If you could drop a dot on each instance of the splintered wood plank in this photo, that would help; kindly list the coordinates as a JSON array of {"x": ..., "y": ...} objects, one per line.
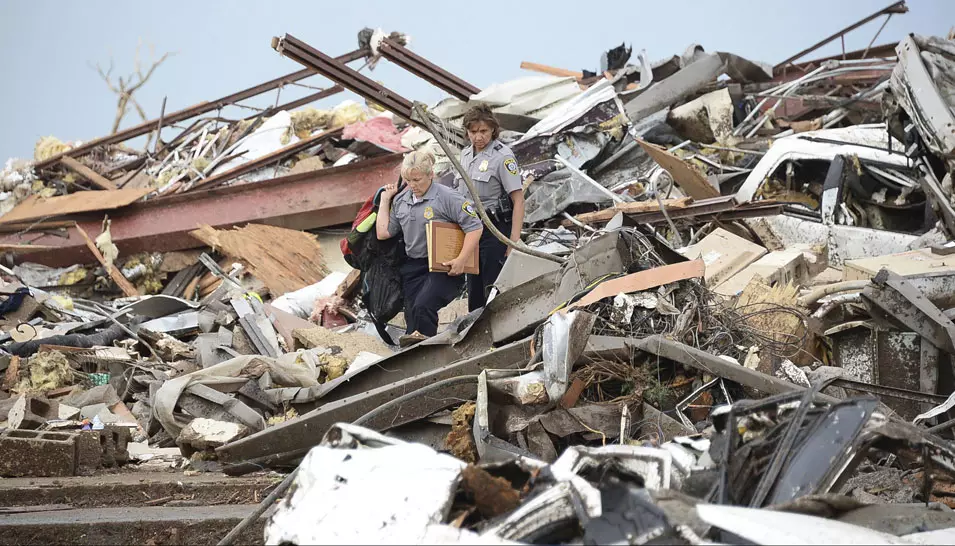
[
  {"x": 111, "y": 269},
  {"x": 283, "y": 259},
  {"x": 94, "y": 177},
  {"x": 605, "y": 215}
]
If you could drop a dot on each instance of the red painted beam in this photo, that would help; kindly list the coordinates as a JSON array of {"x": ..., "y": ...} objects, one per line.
[{"x": 303, "y": 201}]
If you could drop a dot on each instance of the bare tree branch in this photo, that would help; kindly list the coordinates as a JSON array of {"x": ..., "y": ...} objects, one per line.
[{"x": 125, "y": 87}]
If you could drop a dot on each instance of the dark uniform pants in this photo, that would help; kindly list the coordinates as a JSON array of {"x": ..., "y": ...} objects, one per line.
[
  {"x": 491, "y": 260},
  {"x": 425, "y": 294}
]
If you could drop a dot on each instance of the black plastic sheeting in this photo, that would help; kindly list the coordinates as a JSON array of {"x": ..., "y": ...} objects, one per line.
[{"x": 83, "y": 341}]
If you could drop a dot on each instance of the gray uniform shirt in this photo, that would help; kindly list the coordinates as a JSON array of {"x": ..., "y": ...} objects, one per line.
[
  {"x": 410, "y": 216},
  {"x": 494, "y": 171}
]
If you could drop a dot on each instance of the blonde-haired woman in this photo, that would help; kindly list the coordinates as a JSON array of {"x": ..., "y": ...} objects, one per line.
[{"x": 408, "y": 213}]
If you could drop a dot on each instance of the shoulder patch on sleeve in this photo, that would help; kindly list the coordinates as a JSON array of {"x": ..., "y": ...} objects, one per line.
[
  {"x": 511, "y": 165},
  {"x": 469, "y": 209}
]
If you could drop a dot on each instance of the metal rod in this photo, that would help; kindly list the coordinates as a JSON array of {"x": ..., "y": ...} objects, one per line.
[
  {"x": 896, "y": 7},
  {"x": 872, "y": 41},
  {"x": 516, "y": 245},
  {"x": 578, "y": 223},
  {"x": 426, "y": 70},
  {"x": 941, "y": 427},
  {"x": 162, "y": 115}
]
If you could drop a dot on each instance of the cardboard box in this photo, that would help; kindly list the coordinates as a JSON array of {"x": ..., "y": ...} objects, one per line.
[
  {"x": 913, "y": 262},
  {"x": 724, "y": 254},
  {"x": 780, "y": 267}
]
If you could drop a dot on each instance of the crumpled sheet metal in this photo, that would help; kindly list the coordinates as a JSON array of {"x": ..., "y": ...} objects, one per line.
[
  {"x": 555, "y": 192},
  {"x": 651, "y": 465},
  {"x": 572, "y": 110},
  {"x": 553, "y": 505},
  {"x": 774, "y": 527},
  {"x": 922, "y": 82},
  {"x": 292, "y": 369},
  {"x": 565, "y": 338},
  {"x": 702, "y": 69}
]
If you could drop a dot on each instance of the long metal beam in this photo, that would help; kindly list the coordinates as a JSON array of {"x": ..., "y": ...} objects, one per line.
[
  {"x": 303, "y": 201},
  {"x": 426, "y": 70},
  {"x": 877, "y": 52},
  {"x": 316, "y": 61},
  {"x": 199, "y": 109},
  {"x": 896, "y": 7}
]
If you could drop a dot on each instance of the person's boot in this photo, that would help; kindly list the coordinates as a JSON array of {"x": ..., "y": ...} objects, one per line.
[{"x": 413, "y": 338}]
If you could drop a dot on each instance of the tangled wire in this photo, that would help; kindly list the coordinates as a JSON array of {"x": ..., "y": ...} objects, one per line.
[{"x": 688, "y": 312}]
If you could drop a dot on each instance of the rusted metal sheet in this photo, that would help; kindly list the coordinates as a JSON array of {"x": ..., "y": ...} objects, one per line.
[
  {"x": 897, "y": 365},
  {"x": 426, "y": 70},
  {"x": 304, "y": 201},
  {"x": 199, "y": 109},
  {"x": 35, "y": 207},
  {"x": 356, "y": 82},
  {"x": 900, "y": 367},
  {"x": 315, "y": 60}
]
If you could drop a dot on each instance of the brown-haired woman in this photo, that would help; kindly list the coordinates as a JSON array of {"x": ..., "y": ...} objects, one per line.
[{"x": 496, "y": 175}]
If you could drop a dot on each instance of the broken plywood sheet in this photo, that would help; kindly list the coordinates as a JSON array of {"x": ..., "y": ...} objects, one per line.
[
  {"x": 690, "y": 180},
  {"x": 724, "y": 254},
  {"x": 782, "y": 267},
  {"x": 283, "y": 259},
  {"x": 35, "y": 207},
  {"x": 913, "y": 262}
]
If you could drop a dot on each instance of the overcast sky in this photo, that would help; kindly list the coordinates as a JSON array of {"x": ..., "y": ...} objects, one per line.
[{"x": 47, "y": 86}]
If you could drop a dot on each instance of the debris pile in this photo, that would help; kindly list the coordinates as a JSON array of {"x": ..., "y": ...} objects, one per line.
[{"x": 736, "y": 295}]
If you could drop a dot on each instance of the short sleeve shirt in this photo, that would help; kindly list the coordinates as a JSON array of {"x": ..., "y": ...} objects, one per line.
[
  {"x": 494, "y": 170},
  {"x": 410, "y": 216}
]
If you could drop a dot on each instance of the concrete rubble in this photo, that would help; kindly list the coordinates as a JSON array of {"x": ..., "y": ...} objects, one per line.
[{"x": 745, "y": 334}]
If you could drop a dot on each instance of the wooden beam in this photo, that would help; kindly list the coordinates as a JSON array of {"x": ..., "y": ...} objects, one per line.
[
  {"x": 114, "y": 273},
  {"x": 553, "y": 71},
  {"x": 94, "y": 177},
  {"x": 4, "y": 247},
  {"x": 604, "y": 216}
]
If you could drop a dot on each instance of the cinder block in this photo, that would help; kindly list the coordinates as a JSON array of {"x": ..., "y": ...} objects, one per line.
[
  {"x": 37, "y": 454},
  {"x": 89, "y": 451},
  {"x": 114, "y": 441},
  {"x": 32, "y": 412}
]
